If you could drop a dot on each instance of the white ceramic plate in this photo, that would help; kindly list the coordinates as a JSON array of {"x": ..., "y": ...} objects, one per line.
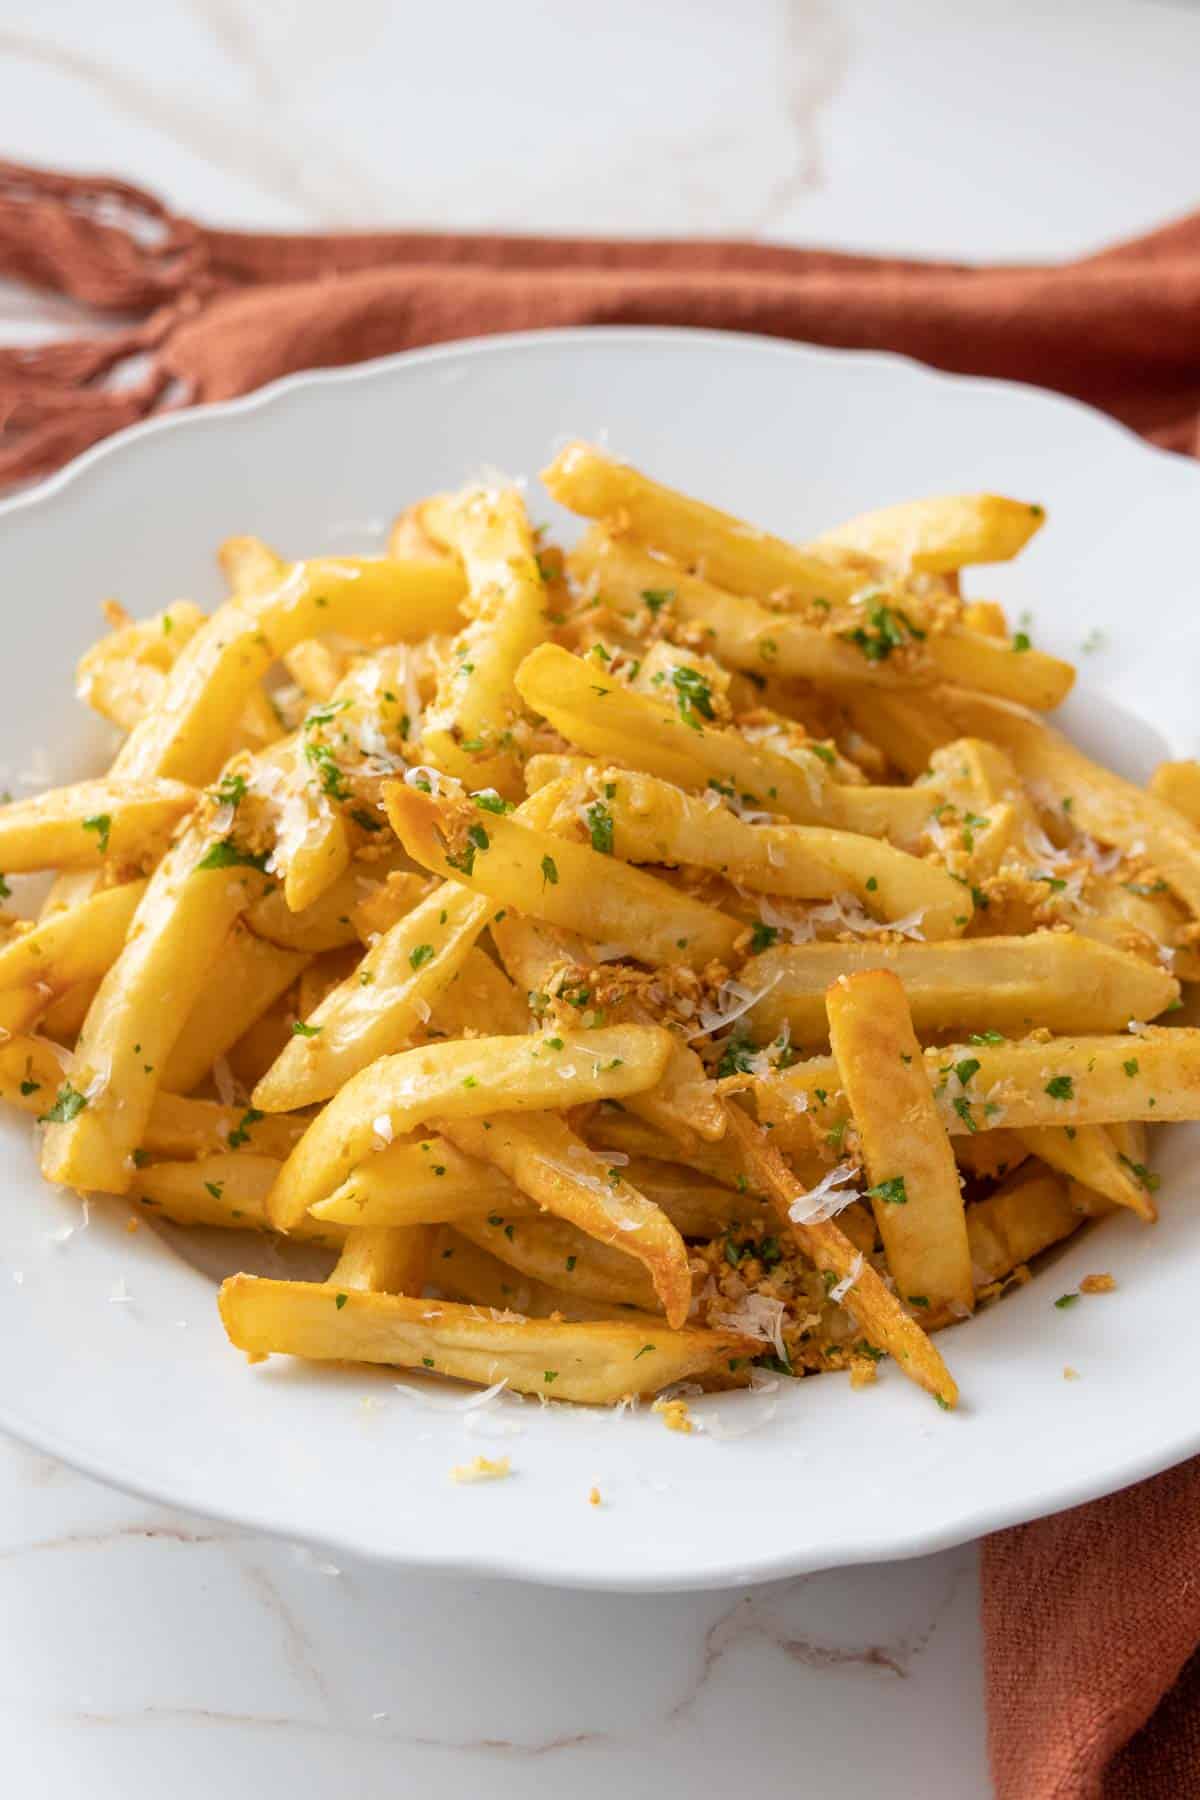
[{"x": 144, "y": 1392}]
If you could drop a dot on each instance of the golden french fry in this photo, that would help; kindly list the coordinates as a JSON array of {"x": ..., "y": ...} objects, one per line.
[
  {"x": 1010, "y": 671},
  {"x": 381, "y": 1004},
  {"x": 547, "y": 1161},
  {"x": 743, "y": 633},
  {"x": 1056, "y": 979},
  {"x": 988, "y": 1081},
  {"x": 696, "y": 1208},
  {"x": 423, "y": 1179},
  {"x": 182, "y": 919},
  {"x": 649, "y": 820},
  {"x": 1032, "y": 1210},
  {"x": 465, "y": 1272},
  {"x": 914, "y": 1193},
  {"x": 31, "y": 1070},
  {"x": 564, "y": 883},
  {"x": 247, "y": 977},
  {"x": 181, "y": 1127},
  {"x": 468, "y": 729},
  {"x": 393, "y": 1261},
  {"x": 733, "y": 554},
  {"x": 63, "y": 1018},
  {"x": 70, "y": 947},
  {"x": 1088, "y": 1155},
  {"x": 481, "y": 997},
  {"x": 187, "y": 733},
  {"x": 553, "y": 1252},
  {"x": 227, "y": 1189},
  {"x": 467, "y": 1079},
  {"x": 84, "y": 826},
  {"x": 866, "y": 1298},
  {"x": 121, "y": 675},
  {"x": 597, "y": 1363},
  {"x": 329, "y": 923},
  {"x": 940, "y": 535},
  {"x": 992, "y": 1154},
  {"x": 611, "y": 721},
  {"x": 1113, "y": 810},
  {"x": 1177, "y": 784},
  {"x": 388, "y": 902}
]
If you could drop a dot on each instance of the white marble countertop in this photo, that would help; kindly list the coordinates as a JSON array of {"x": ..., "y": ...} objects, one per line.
[{"x": 147, "y": 1653}]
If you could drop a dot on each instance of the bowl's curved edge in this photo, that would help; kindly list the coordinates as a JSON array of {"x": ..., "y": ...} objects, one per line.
[{"x": 513, "y": 1565}]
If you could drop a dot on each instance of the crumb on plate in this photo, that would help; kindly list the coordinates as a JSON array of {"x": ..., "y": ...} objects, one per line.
[
  {"x": 482, "y": 1468},
  {"x": 1097, "y": 1284},
  {"x": 674, "y": 1414}
]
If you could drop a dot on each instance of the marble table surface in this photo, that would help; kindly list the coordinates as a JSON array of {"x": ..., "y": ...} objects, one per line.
[{"x": 149, "y": 1653}]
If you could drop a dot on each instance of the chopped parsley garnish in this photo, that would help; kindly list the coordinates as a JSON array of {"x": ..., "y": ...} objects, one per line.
[
  {"x": 657, "y": 598},
  {"x": 68, "y": 1104},
  {"x": 970, "y": 1065},
  {"x": 224, "y": 854},
  {"x": 889, "y": 629},
  {"x": 762, "y": 937},
  {"x": 333, "y": 782},
  {"x": 215, "y": 1188},
  {"x": 943, "y": 1403},
  {"x": 571, "y": 1261},
  {"x": 241, "y": 1133},
  {"x": 321, "y": 715},
  {"x": 918, "y": 1299},
  {"x": 340, "y": 1301},
  {"x": 488, "y": 800},
  {"x": 101, "y": 824},
  {"x": 737, "y": 1058},
  {"x": 1148, "y": 1179},
  {"x": 1065, "y": 1300},
  {"x": 423, "y": 953},
  {"x": 30, "y": 1087},
  {"x": 1131, "y": 1067},
  {"x": 644, "y": 1351},
  {"x": 892, "y": 1191},
  {"x": 368, "y": 822},
  {"x": 1021, "y": 641},
  {"x": 470, "y": 1081},
  {"x": 962, "y": 1107},
  {"x": 5, "y": 890},
  {"x": 600, "y": 827},
  {"x": 549, "y": 1375},
  {"x": 1060, "y": 1087},
  {"x": 1054, "y": 882},
  {"x": 986, "y": 1037},
  {"x": 872, "y": 885},
  {"x": 300, "y": 1029},
  {"x": 549, "y": 871},
  {"x": 694, "y": 697},
  {"x": 230, "y": 790}
]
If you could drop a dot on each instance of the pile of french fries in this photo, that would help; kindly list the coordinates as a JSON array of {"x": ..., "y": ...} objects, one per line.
[{"x": 639, "y": 966}]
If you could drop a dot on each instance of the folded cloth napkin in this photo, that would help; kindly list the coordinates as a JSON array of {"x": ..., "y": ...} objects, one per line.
[{"x": 1091, "y": 1619}]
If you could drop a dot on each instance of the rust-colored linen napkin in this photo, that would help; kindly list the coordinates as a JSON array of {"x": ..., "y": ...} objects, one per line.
[{"x": 1092, "y": 1619}]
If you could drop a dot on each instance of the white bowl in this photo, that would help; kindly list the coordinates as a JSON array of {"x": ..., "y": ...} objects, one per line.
[{"x": 145, "y": 1392}]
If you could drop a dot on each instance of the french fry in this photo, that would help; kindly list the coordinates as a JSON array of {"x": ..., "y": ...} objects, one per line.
[
  {"x": 468, "y": 729},
  {"x": 654, "y": 821},
  {"x": 915, "y": 1192},
  {"x": 329, "y": 923},
  {"x": 611, "y": 721},
  {"x": 543, "y": 1157},
  {"x": 1113, "y": 810},
  {"x": 70, "y": 947},
  {"x": 248, "y": 975},
  {"x": 565, "y": 883},
  {"x": 188, "y": 732},
  {"x": 1088, "y": 1155},
  {"x": 388, "y": 902},
  {"x": 181, "y": 1127},
  {"x": 1154, "y": 1076},
  {"x": 94, "y": 822},
  {"x": 987, "y": 616},
  {"x": 423, "y": 1179},
  {"x": 31, "y": 1069},
  {"x": 743, "y": 633},
  {"x": 63, "y": 1018},
  {"x": 697, "y": 1209},
  {"x": 867, "y": 1299},
  {"x": 1033, "y": 1210},
  {"x": 121, "y": 675},
  {"x": 975, "y": 659},
  {"x": 227, "y": 1189},
  {"x": 907, "y": 726},
  {"x": 465, "y": 1272},
  {"x": 596, "y": 1363},
  {"x": 992, "y": 1154},
  {"x": 556, "y": 1253},
  {"x": 939, "y": 536},
  {"x": 480, "y": 997},
  {"x": 733, "y": 554},
  {"x": 1055, "y": 979},
  {"x": 379, "y": 1007},
  {"x": 384, "y": 1262},
  {"x": 466, "y": 1079},
  {"x": 182, "y": 919},
  {"x": 1177, "y": 784},
  {"x": 684, "y": 1103}
]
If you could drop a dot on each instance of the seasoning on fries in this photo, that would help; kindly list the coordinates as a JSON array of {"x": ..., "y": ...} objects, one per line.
[{"x": 682, "y": 955}]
